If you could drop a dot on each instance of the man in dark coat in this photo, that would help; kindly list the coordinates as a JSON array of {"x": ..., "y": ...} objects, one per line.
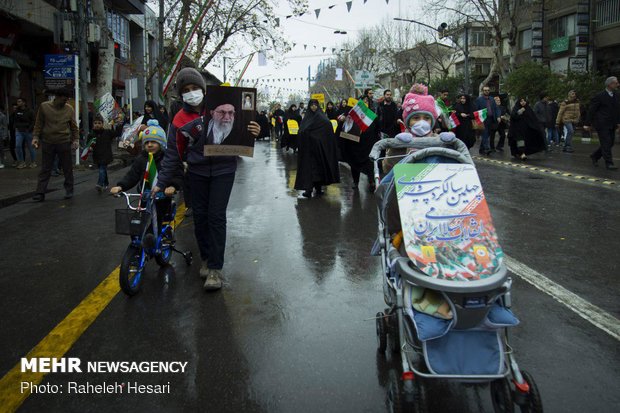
[
  {"x": 604, "y": 116},
  {"x": 485, "y": 101},
  {"x": 317, "y": 160},
  {"x": 388, "y": 115}
]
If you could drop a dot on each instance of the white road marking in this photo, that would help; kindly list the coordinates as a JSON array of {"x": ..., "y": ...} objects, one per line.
[{"x": 583, "y": 308}]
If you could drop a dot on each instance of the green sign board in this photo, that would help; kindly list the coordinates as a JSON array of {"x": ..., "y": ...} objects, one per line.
[{"x": 559, "y": 45}]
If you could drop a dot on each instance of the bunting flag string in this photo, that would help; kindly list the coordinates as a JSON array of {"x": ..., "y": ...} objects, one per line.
[{"x": 317, "y": 11}]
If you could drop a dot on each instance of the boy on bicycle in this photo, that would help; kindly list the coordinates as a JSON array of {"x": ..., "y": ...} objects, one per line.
[{"x": 154, "y": 142}]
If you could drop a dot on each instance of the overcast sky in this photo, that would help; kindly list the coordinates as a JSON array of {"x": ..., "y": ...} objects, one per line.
[
  {"x": 316, "y": 33},
  {"x": 319, "y": 32}
]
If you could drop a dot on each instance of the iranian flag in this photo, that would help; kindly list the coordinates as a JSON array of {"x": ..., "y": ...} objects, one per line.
[
  {"x": 150, "y": 173},
  {"x": 480, "y": 116},
  {"x": 362, "y": 115},
  {"x": 88, "y": 149},
  {"x": 453, "y": 121}
]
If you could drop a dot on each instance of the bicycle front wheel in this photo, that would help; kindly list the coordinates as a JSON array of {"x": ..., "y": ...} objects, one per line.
[{"x": 132, "y": 266}]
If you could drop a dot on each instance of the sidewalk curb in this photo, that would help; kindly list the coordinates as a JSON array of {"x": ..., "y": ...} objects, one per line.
[{"x": 116, "y": 164}]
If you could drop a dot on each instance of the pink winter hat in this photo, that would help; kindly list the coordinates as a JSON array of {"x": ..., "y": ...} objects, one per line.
[{"x": 418, "y": 101}]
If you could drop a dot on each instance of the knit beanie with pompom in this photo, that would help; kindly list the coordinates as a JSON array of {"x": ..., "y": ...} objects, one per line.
[{"x": 418, "y": 101}]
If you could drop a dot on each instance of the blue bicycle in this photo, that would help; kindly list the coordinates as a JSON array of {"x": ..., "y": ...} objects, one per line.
[{"x": 150, "y": 224}]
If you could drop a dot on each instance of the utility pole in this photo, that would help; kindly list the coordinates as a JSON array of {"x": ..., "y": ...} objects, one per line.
[
  {"x": 466, "y": 55},
  {"x": 224, "y": 60},
  {"x": 83, "y": 56},
  {"x": 161, "y": 48}
]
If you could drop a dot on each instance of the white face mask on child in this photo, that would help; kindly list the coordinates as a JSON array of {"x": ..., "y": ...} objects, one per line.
[
  {"x": 193, "y": 98},
  {"x": 421, "y": 128}
]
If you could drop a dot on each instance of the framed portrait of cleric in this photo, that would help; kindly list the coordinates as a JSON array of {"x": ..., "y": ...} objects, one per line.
[
  {"x": 350, "y": 130},
  {"x": 227, "y": 121},
  {"x": 247, "y": 101}
]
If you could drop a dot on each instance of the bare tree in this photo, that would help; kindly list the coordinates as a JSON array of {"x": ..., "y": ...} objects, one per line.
[
  {"x": 229, "y": 26},
  {"x": 500, "y": 17}
]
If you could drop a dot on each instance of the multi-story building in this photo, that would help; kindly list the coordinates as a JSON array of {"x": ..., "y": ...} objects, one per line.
[
  {"x": 473, "y": 39},
  {"x": 30, "y": 30},
  {"x": 567, "y": 35}
]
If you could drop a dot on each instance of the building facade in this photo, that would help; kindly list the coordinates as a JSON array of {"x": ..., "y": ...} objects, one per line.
[
  {"x": 30, "y": 30},
  {"x": 577, "y": 35}
]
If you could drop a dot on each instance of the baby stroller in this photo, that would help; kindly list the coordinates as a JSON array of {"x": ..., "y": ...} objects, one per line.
[{"x": 446, "y": 287}]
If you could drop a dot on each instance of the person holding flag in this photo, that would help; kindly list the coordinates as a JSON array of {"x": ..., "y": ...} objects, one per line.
[
  {"x": 144, "y": 168},
  {"x": 463, "y": 111},
  {"x": 356, "y": 153},
  {"x": 486, "y": 113},
  {"x": 100, "y": 143}
]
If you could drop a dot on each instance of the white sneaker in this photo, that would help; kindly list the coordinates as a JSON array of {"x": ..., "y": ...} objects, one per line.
[
  {"x": 204, "y": 270},
  {"x": 213, "y": 281}
]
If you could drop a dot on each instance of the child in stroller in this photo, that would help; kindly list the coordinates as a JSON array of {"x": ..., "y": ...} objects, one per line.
[{"x": 444, "y": 280}]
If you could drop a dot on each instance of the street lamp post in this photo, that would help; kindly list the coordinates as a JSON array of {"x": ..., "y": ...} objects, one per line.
[{"x": 465, "y": 48}]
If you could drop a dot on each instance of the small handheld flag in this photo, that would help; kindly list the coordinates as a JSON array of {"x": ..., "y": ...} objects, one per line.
[
  {"x": 362, "y": 115},
  {"x": 481, "y": 115},
  {"x": 88, "y": 149},
  {"x": 150, "y": 173},
  {"x": 453, "y": 121}
]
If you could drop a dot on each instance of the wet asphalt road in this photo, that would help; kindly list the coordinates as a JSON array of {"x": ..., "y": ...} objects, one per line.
[{"x": 290, "y": 330}]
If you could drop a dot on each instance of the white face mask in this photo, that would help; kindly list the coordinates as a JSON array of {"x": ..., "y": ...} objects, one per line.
[
  {"x": 421, "y": 128},
  {"x": 193, "y": 98}
]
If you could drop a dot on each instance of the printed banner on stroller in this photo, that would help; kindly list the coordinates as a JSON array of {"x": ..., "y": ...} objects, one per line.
[
  {"x": 229, "y": 111},
  {"x": 446, "y": 222}
]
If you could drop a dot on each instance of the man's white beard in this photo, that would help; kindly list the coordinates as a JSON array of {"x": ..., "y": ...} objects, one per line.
[{"x": 221, "y": 131}]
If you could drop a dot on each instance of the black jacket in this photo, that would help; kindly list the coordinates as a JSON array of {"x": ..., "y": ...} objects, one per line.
[
  {"x": 23, "y": 120},
  {"x": 135, "y": 175},
  {"x": 388, "y": 115},
  {"x": 102, "y": 151},
  {"x": 604, "y": 111}
]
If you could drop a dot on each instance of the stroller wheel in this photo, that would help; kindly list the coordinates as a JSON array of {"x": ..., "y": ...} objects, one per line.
[
  {"x": 534, "y": 401},
  {"x": 393, "y": 334},
  {"x": 501, "y": 394},
  {"x": 394, "y": 398},
  {"x": 405, "y": 396},
  {"x": 381, "y": 332}
]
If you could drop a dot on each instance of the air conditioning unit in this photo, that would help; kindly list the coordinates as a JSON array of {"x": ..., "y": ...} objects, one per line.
[
  {"x": 94, "y": 32},
  {"x": 67, "y": 31}
]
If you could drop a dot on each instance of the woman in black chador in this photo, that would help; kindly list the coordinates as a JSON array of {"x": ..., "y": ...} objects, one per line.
[
  {"x": 464, "y": 112},
  {"x": 525, "y": 135},
  {"x": 290, "y": 141},
  {"x": 317, "y": 161}
]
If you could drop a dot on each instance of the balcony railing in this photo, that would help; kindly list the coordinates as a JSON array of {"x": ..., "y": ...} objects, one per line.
[{"x": 607, "y": 12}]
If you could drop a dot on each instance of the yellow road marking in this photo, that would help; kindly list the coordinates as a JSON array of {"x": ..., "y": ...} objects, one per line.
[
  {"x": 551, "y": 171},
  {"x": 64, "y": 335}
]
